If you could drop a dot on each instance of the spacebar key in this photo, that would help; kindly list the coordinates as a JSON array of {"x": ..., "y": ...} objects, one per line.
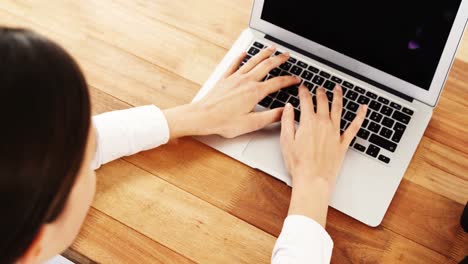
[{"x": 382, "y": 142}]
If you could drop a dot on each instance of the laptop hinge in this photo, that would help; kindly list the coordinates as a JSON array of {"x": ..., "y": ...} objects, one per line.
[{"x": 342, "y": 69}]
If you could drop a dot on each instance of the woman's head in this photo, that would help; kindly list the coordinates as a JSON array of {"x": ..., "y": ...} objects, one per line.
[{"x": 46, "y": 184}]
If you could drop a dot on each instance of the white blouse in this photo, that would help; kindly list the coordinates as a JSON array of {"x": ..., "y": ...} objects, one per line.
[{"x": 126, "y": 132}]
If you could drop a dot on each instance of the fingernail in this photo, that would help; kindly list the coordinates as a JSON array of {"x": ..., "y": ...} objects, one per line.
[
  {"x": 298, "y": 78},
  {"x": 272, "y": 47},
  {"x": 288, "y": 106},
  {"x": 286, "y": 54},
  {"x": 338, "y": 88}
]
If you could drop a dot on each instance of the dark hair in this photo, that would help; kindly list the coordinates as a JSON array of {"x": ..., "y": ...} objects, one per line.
[{"x": 45, "y": 117}]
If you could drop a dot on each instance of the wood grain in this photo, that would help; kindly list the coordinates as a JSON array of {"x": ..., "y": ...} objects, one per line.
[{"x": 160, "y": 52}]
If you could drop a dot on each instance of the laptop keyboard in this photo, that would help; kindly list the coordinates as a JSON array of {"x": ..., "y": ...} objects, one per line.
[{"x": 385, "y": 123}]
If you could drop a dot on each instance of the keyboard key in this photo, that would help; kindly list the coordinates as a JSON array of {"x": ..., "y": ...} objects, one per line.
[
  {"x": 399, "y": 130},
  {"x": 374, "y": 105},
  {"x": 364, "y": 134},
  {"x": 343, "y": 113},
  {"x": 352, "y": 106},
  {"x": 329, "y": 85},
  {"x": 345, "y": 102},
  {"x": 352, "y": 141},
  {"x": 359, "y": 90},
  {"x": 294, "y": 101},
  {"x": 274, "y": 94},
  {"x": 297, "y": 115},
  {"x": 293, "y": 90},
  {"x": 383, "y": 100},
  {"x": 352, "y": 95},
  {"x": 408, "y": 111},
  {"x": 374, "y": 127},
  {"x": 296, "y": 70},
  {"x": 258, "y": 45},
  {"x": 313, "y": 69},
  {"x": 329, "y": 96},
  {"x": 277, "y": 104},
  {"x": 384, "y": 159},
  {"x": 348, "y": 85},
  {"x": 386, "y": 111},
  {"x": 278, "y": 53},
  {"x": 373, "y": 151},
  {"x": 253, "y": 51},
  {"x": 318, "y": 80},
  {"x": 371, "y": 95},
  {"x": 307, "y": 75},
  {"x": 386, "y": 133},
  {"x": 401, "y": 117},
  {"x": 376, "y": 117},
  {"x": 275, "y": 72},
  {"x": 266, "y": 101},
  {"x": 363, "y": 100},
  {"x": 343, "y": 124},
  {"x": 309, "y": 85},
  {"x": 247, "y": 58},
  {"x": 349, "y": 116},
  {"x": 382, "y": 142},
  {"x": 302, "y": 64},
  {"x": 336, "y": 79},
  {"x": 282, "y": 96},
  {"x": 388, "y": 122},
  {"x": 292, "y": 60},
  {"x": 365, "y": 123},
  {"x": 395, "y": 105},
  {"x": 286, "y": 66},
  {"x": 325, "y": 74},
  {"x": 285, "y": 73},
  {"x": 359, "y": 147}
]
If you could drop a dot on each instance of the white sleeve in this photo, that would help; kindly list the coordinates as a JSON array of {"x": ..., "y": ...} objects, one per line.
[
  {"x": 302, "y": 240},
  {"x": 126, "y": 132}
]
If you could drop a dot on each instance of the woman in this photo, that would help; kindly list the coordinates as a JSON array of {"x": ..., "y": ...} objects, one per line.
[{"x": 52, "y": 145}]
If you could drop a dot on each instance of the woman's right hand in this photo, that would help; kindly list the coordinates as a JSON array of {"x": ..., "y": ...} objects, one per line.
[{"x": 314, "y": 153}]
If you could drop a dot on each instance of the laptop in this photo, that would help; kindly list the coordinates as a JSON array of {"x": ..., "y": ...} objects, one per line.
[{"x": 394, "y": 56}]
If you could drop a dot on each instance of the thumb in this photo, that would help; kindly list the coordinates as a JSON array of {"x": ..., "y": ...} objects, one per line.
[
  {"x": 288, "y": 129},
  {"x": 259, "y": 120}
]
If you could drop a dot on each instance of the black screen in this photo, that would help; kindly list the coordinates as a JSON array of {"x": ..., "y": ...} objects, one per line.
[{"x": 402, "y": 38}]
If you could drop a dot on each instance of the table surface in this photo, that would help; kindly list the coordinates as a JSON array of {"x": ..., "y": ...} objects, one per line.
[{"x": 185, "y": 202}]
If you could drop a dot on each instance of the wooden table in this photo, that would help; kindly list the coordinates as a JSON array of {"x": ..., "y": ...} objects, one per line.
[{"x": 185, "y": 202}]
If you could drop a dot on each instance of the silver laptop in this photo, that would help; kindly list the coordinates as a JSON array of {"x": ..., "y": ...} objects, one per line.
[{"x": 394, "y": 56}]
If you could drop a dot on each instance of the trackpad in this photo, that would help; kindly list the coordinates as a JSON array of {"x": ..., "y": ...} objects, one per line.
[{"x": 264, "y": 151}]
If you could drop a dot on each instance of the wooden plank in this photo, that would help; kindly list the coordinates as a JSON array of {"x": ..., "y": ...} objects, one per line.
[
  {"x": 177, "y": 219},
  {"x": 219, "y": 21},
  {"x": 163, "y": 45},
  {"x": 463, "y": 49},
  {"x": 107, "y": 240},
  {"x": 115, "y": 71}
]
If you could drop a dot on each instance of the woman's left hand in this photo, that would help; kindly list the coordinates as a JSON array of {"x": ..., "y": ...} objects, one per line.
[{"x": 227, "y": 109}]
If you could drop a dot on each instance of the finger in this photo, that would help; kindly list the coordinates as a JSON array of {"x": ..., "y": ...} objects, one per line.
[
  {"x": 235, "y": 65},
  {"x": 307, "y": 106},
  {"x": 288, "y": 129},
  {"x": 277, "y": 83},
  {"x": 259, "y": 120},
  {"x": 322, "y": 103},
  {"x": 353, "y": 129},
  {"x": 337, "y": 105},
  {"x": 255, "y": 60},
  {"x": 263, "y": 68}
]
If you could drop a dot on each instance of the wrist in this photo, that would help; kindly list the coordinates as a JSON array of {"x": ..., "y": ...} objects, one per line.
[
  {"x": 307, "y": 180},
  {"x": 184, "y": 120}
]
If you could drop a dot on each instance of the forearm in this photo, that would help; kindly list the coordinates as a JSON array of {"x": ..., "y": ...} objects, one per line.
[{"x": 310, "y": 197}]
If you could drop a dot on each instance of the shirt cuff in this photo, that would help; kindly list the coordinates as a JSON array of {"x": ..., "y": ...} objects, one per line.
[
  {"x": 302, "y": 240},
  {"x": 126, "y": 132}
]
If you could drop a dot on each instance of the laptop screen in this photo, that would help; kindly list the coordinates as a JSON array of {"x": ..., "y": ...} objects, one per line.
[{"x": 402, "y": 38}]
